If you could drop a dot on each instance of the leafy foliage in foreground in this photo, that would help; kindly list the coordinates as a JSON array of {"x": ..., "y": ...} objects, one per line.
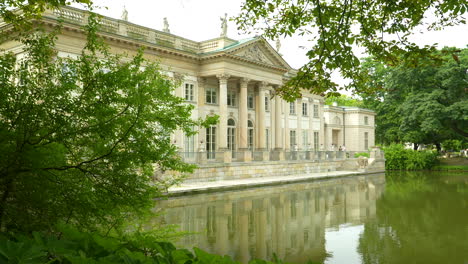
[
  {"x": 81, "y": 138},
  {"x": 399, "y": 158},
  {"x": 81, "y": 247}
]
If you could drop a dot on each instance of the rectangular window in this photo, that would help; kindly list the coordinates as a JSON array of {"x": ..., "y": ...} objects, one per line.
[
  {"x": 316, "y": 111},
  {"x": 292, "y": 138},
  {"x": 210, "y": 142},
  {"x": 231, "y": 98},
  {"x": 304, "y": 109},
  {"x": 292, "y": 108},
  {"x": 366, "y": 120},
  {"x": 250, "y": 101},
  {"x": 366, "y": 140},
  {"x": 316, "y": 141},
  {"x": 189, "y": 92},
  {"x": 267, "y": 138},
  {"x": 189, "y": 146},
  {"x": 267, "y": 103},
  {"x": 305, "y": 139},
  {"x": 211, "y": 95}
]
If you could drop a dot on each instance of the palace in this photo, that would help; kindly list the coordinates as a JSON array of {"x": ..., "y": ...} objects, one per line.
[{"x": 234, "y": 79}]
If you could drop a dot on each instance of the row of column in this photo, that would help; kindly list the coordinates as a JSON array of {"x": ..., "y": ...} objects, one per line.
[{"x": 280, "y": 140}]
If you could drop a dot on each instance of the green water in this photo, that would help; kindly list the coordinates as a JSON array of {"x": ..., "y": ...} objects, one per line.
[{"x": 393, "y": 218}]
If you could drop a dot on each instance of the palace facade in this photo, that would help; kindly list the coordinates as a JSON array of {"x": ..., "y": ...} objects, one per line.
[{"x": 234, "y": 79}]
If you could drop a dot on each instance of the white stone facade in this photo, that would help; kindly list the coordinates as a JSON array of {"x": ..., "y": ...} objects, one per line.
[{"x": 233, "y": 79}]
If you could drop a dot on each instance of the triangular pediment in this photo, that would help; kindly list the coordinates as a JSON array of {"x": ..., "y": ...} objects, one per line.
[{"x": 259, "y": 51}]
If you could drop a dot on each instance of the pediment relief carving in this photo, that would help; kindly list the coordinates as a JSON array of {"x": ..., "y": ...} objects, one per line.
[{"x": 255, "y": 53}]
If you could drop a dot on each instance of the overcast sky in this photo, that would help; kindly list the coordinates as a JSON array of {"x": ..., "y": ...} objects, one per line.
[{"x": 200, "y": 20}]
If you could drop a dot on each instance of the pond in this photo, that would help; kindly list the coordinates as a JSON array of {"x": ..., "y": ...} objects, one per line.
[{"x": 395, "y": 218}]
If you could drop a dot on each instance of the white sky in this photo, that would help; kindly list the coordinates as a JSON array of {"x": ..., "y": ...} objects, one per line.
[{"x": 200, "y": 20}]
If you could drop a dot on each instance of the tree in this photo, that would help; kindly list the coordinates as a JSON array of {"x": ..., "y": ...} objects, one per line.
[
  {"x": 381, "y": 27},
  {"x": 81, "y": 138},
  {"x": 343, "y": 100},
  {"x": 423, "y": 104},
  {"x": 20, "y": 12}
]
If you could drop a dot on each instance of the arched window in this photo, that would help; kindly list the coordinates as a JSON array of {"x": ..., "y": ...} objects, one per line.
[{"x": 250, "y": 134}]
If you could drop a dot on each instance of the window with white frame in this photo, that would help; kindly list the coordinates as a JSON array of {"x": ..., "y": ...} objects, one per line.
[
  {"x": 189, "y": 146},
  {"x": 316, "y": 141},
  {"x": 210, "y": 142},
  {"x": 292, "y": 138},
  {"x": 231, "y": 98},
  {"x": 267, "y": 138},
  {"x": 189, "y": 92},
  {"x": 210, "y": 93},
  {"x": 366, "y": 120},
  {"x": 267, "y": 103},
  {"x": 366, "y": 140},
  {"x": 250, "y": 134},
  {"x": 292, "y": 108},
  {"x": 304, "y": 109},
  {"x": 250, "y": 101},
  {"x": 316, "y": 111},
  {"x": 305, "y": 139}
]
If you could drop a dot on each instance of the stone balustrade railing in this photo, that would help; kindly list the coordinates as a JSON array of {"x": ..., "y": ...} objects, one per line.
[
  {"x": 238, "y": 156},
  {"x": 127, "y": 29}
]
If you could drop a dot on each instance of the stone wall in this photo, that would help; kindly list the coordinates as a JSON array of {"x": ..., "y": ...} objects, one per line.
[{"x": 233, "y": 171}]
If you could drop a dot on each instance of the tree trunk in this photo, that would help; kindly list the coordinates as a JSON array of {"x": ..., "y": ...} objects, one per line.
[{"x": 439, "y": 148}]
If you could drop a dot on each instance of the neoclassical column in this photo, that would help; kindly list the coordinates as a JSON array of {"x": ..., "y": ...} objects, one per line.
[
  {"x": 222, "y": 136},
  {"x": 201, "y": 91},
  {"x": 287, "y": 143},
  {"x": 261, "y": 116},
  {"x": 243, "y": 113},
  {"x": 278, "y": 126}
]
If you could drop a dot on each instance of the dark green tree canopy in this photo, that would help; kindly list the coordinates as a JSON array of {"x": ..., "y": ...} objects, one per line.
[
  {"x": 381, "y": 27},
  {"x": 423, "y": 104}
]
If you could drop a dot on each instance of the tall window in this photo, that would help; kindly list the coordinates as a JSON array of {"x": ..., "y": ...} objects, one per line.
[
  {"x": 267, "y": 103},
  {"x": 366, "y": 120},
  {"x": 250, "y": 101},
  {"x": 231, "y": 135},
  {"x": 211, "y": 95},
  {"x": 250, "y": 135},
  {"x": 305, "y": 139},
  {"x": 316, "y": 111},
  {"x": 292, "y": 138},
  {"x": 210, "y": 142},
  {"x": 267, "y": 138},
  {"x": 366, "y": 140},
  {"x": 304, "y": 109},
  {"x": 316, "y": 141},
  {"x": 188, "y": 92},
  {"x": 231, "y": 98},
  {"x": 189, "y": 146},
  {"x": 292, "y": 108}
]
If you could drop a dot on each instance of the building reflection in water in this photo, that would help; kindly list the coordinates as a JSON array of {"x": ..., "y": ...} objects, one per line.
[{"x": 288, "y": 220}]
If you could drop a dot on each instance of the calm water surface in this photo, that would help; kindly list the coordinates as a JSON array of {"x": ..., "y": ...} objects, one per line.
[{"x": 397, "y": 218}]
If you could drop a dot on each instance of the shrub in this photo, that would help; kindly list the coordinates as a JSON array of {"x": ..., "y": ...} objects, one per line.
[
  {"x": 362, "y": 154},
  {"x": 399, "y": 158}
]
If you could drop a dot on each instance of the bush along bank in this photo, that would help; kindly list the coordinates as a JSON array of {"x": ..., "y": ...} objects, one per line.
[{"x": 399, "y": 158}]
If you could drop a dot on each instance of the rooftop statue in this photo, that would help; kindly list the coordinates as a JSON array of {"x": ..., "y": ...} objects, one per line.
[
  {"x": 278, "y": 44},
  {"x": 124, "y": 15},
  {"x": 166, "y": 26},
  {"x": 224, "y": 25}
]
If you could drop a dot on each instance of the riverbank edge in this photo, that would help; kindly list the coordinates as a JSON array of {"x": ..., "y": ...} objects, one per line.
[{"x": 242, "y": 184}]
